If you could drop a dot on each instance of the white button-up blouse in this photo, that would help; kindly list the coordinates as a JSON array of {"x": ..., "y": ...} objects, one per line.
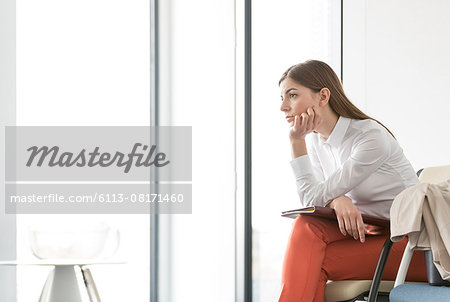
[{"x": 361, "y": 160}]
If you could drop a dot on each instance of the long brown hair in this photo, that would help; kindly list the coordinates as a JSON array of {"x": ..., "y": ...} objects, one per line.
[{"x": 316, "y": 75}]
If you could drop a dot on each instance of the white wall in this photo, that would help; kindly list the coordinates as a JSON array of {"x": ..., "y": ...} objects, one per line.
[{"x": 397, "y": 69}]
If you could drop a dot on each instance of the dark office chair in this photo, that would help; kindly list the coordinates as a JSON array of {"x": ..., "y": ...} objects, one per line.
[
  {"x": 377, "y": 289},
  {"x": 435, "y": 289}
]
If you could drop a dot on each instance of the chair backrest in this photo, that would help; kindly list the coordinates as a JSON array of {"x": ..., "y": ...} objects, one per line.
[{"x": 434, "y": 175}]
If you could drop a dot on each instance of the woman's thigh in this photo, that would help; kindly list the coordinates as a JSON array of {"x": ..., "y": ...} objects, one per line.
[{"x": 351, "y": 259}]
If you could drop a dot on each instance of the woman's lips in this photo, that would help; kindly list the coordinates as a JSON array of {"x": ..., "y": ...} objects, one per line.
[{"x": 289, "y": 118}]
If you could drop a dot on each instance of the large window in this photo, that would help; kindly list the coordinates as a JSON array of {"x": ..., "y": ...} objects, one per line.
[{"x": 88, "y": 63}]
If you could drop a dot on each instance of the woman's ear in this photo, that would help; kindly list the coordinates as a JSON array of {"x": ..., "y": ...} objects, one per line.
[{"x": 324, "y": 95}]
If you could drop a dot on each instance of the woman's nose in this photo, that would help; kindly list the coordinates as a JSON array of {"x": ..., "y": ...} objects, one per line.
[{"x": 284, "y": 106}]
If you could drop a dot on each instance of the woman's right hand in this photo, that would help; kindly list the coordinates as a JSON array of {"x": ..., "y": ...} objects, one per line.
[
  {"x": 304, "y": 124},
  {"x": 349, "y": 217}
]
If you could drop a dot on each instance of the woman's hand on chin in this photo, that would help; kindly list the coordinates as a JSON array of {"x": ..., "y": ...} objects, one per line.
[
  {"x": 349, "y": 217},
  {"x": 304, "y": 124}
]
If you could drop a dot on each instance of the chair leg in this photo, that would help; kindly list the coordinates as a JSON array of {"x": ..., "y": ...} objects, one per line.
[
  {"x": 404, "y": 264},
  {"x": 90, "y": 285},
  {"x": 379, "y": 270},
  {"x": 46, "y": 289}
]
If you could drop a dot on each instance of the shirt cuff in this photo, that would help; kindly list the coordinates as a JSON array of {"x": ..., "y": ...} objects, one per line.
[{"x": 301, "y": 166}]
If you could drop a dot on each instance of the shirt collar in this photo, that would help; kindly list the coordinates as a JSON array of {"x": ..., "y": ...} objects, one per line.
[{"x": 338, "y": 132}]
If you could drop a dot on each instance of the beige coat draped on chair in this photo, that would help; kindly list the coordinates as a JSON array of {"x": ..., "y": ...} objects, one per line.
[{"x": 422, "y": 212}]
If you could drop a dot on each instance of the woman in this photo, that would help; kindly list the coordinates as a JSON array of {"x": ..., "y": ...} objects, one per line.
[{"x": 351, "y": 163}]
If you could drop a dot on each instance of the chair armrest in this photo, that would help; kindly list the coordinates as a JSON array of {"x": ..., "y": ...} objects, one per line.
[{"x": 379, "y": 270}]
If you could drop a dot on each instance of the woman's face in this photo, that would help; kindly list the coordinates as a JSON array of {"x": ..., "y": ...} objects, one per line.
[{"x": 296, "y": 98}]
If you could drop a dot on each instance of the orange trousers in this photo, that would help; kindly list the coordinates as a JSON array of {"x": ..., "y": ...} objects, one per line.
[{"x": 317, "y": 251}]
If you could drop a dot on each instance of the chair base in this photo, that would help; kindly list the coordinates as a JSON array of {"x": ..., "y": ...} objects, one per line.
[{"x": 381, "y": 297}]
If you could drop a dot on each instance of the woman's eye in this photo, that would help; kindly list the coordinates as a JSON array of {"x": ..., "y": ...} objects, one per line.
[{"x": 292, "y": 95}]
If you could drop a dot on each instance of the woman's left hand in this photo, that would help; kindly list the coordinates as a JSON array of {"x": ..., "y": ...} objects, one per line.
[{"x": 349, "y": 218}]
